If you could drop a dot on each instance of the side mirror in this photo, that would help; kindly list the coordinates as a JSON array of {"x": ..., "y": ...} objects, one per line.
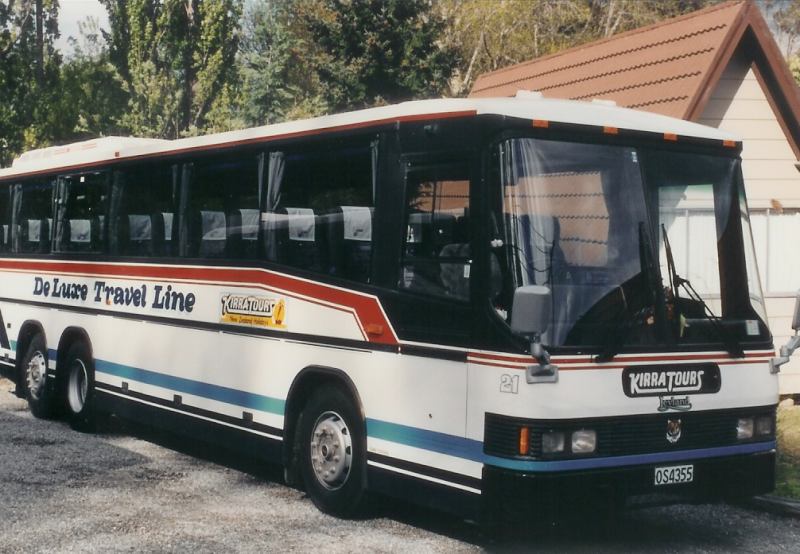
[
  {"x": 530, "y": 317},
  {"x": 533, "y": 306},
  {"x": 794, "y": 343}
]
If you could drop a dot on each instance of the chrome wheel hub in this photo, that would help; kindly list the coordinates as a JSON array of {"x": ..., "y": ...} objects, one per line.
[
  {"x": 36, "y": 374},
  {"x": 331, "y": 450},
  {"x": 77, "y": 386}
]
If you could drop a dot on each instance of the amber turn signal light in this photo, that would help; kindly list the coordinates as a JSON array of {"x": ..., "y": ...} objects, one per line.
[{"x": 524, "y": 441}]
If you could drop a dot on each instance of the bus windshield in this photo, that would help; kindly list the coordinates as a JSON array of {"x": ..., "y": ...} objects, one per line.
[{"x": 638, "y": 246}]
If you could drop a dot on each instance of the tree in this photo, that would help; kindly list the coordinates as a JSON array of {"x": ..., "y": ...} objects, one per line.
[
  {"x": 29, "y": 76},
  {"x": 176, "y": 60},
  {"x": 276, "y": 83},
  {"x": 93, "y": 98},
  {"x": 785, "y": 15},
  {"x": 367, "y": 52}
]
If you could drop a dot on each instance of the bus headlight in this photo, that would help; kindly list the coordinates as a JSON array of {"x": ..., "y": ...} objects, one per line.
[
  {"x": 763, "y": 426},
  {"x": 744, "y": 428},
  {"x": 584, "y": 441},
  {"x": 552, "y": 442}
]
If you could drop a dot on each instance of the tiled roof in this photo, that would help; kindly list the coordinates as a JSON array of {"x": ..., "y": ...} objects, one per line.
[{"x": 663, "y": 68}]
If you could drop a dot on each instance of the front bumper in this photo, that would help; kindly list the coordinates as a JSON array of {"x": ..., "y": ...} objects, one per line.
[{"x": 530, "y": 494}]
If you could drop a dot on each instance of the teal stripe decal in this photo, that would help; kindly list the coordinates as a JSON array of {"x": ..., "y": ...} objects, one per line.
[
  {"x": 426, "y": 440},
  {"x": 451, "y": 445},
  {"x": 195, "y": 388},
  {"x": 13, "y": 345}
]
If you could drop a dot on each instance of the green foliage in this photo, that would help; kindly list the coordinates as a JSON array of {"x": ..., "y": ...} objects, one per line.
[
  {"x": 92, "y": 98},
  {"x": 29, "y": 76},
  {"x": 368, "y": 52},
  {"x": 176, "y": 61},
  {"x": 788, "y": 468},
  {"x": 172, "y": 68},
  {"x": 271, "y": 85},
  {"x": 302, "y": 58}
]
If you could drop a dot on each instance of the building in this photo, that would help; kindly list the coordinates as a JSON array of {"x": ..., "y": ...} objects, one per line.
[{"x": 721, "y": 67}]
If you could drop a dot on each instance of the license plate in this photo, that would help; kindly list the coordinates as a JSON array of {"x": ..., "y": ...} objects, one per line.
[{"x": 674, "y": 474}]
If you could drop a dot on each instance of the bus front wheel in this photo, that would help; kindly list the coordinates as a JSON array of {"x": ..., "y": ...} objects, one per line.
[
  {"x": 39, "y": 393},
  {"x": 332, "y": 447},
  {"x": 79, "y": 387}
]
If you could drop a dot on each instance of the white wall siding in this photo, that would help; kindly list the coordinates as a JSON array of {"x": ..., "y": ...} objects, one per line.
[{"x": 739, "y": 105}]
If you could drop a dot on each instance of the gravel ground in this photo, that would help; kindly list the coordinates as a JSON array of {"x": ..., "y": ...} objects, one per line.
[{"x": 128, "y": 490}]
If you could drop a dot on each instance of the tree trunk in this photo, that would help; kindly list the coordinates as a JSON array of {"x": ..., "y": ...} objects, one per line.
[{"x": 39, "y": 44}]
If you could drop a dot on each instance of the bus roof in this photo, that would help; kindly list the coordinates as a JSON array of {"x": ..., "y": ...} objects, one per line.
[{"x": 527, "y": 106}]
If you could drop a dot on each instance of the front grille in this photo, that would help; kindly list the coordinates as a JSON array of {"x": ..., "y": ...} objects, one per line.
[{"x": 622, "y": 435}]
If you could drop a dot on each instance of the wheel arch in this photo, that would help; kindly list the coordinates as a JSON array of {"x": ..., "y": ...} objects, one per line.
[
  {"x": 70, "y": 336},
  {"x": 304, "y": 384}
]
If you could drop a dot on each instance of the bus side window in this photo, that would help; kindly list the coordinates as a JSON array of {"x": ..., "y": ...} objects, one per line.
[
  {"x": 224, "y": 207},
  {"x": 323, "y": 209},
  {"x": 81, "y": 224},
  {"x": 5, "y": 217},
  {"x": 436, "y": 253},
  {"x": 32, "y": 217},
  {"x": 143, "y": 202}
]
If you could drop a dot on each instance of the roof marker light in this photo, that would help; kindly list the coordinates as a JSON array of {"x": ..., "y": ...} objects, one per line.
[
  {"x": 671, "y": 137},
  {"x": 611, "y": 130},
  {"x": 729, "y": 143},
  {"x": 541, "y": 123}
]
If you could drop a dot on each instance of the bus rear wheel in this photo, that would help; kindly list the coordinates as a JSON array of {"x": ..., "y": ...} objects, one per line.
[
  {"x": 332, "y": 452},
  {"x": 39, "y": 393},
  {"x": 79, "y": 387}
]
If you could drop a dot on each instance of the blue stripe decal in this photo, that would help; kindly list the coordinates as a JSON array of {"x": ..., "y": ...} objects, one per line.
[
  {"x": 13, "y": 345},
  {"x": 195, "y": 388},
  {"x": 427, "y": 440},
  {"x": 473, "y": 450},
  {"x": 638, "y": 459}
]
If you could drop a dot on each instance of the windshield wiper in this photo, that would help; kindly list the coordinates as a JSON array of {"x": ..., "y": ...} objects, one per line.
[
  {"x": 623, "y": 324},
  {"x": 676, "y": 281}
]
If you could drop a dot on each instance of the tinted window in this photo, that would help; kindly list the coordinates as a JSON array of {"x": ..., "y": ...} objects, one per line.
[
  {"x": 82, "y": 220},
  {"x": 144, "y": 216},
  {"x": 5, "y": 217},
  {"x": 223, "y": 209},
  {"x": 322, "y": 210},
  {"x": 33, "y": 220},
  {"x": 436, "y": 254}
]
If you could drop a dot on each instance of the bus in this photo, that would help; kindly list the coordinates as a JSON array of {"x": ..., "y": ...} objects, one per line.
[{"x": 487, "y": 306}]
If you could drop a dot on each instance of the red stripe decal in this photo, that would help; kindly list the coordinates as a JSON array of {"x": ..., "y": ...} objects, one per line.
[{"x": 367, "y": 308}]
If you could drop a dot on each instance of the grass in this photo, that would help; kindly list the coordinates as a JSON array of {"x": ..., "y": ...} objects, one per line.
[{"x": 788, "y": 470}]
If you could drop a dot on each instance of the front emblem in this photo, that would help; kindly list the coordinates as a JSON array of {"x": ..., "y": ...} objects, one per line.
[{"x": 673, "y": 430}]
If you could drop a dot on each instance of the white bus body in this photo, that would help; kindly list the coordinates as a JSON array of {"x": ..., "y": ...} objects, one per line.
[{"x": 208, "y": 331}]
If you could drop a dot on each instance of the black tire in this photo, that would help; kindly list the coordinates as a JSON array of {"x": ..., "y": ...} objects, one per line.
[
  {"x": 78, "y": 387},
  {"x": 342, "y": 492},
  {"x": 39, "y": 389}
]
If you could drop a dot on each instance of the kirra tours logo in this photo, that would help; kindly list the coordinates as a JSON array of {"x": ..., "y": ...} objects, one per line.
[
  {"x": 672, "y": 384},
  {"x": 670, "y": 381},
  {"x": 248, "y": 309}
]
